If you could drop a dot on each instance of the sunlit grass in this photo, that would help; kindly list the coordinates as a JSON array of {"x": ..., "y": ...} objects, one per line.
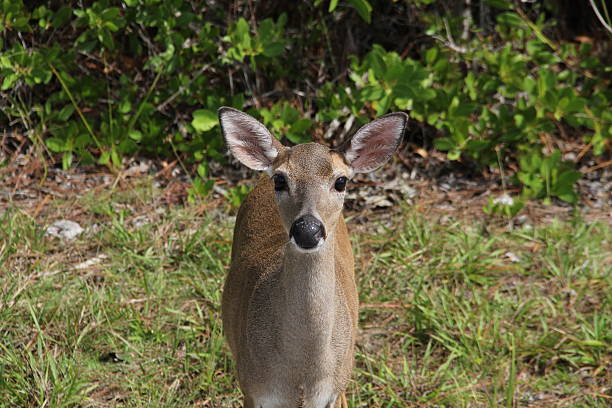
[{"x": 453, "y": 314}]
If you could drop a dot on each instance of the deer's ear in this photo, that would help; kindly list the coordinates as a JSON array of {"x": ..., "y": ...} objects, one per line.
[
  {"x": 375, "y": 142},
  {"x": 248, "y": 140}
]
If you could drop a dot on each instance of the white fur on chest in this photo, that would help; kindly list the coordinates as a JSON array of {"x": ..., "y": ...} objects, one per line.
[{"x": 320, "y": 396}]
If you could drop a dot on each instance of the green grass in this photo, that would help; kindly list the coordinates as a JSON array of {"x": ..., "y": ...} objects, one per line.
[{"x": 448, "y": 319}]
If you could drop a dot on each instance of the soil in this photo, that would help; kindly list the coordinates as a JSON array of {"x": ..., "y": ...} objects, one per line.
[{"x": 425, "y": 181}]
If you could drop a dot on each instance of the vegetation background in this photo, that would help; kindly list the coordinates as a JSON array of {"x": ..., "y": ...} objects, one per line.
[
  {"x": 516, "y": 87},
  {"x": 498, "y": 309}
]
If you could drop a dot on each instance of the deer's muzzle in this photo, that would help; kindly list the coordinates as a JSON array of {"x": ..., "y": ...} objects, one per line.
[{"x": 307, "y": 231}]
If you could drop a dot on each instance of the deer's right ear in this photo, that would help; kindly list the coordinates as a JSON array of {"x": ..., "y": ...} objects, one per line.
[
  {"x": 375, "y": 142},
  {"x": 248, "y": 140}
]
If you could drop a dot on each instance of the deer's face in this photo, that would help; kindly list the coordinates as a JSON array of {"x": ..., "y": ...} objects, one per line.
[
  {"x": 309, "y": 184},
  {"x": 310, "y": 179}
]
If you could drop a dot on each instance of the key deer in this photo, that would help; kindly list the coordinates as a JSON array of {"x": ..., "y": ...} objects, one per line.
[{"x": 290, "y": 302}]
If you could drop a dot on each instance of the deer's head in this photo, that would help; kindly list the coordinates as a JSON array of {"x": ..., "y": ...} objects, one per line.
[{"x": 310, "y": 179}]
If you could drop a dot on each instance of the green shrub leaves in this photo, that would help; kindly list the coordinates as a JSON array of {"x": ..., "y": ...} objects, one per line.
[{"x": 101, "y": 80}]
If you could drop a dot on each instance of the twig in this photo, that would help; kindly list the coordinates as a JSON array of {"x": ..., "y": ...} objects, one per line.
[
  {"x": 596, "y": 394},
  {"x": 584, "y": 151},
  {"x": 182, "y": 88},
  {"x": 467, "y": 20},
  {"x": 384, "y": 305},
  {"x": 598, "y": 166},
  {"x": 449, "y": 42},
  {"x": 600, "y": 17},
  {"x": 134, "y": 118},
  {"x": 538, "y": 33}
]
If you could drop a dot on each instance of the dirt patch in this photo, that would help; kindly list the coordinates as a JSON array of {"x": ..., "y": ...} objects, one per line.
[{"x": 432, "y": 185}]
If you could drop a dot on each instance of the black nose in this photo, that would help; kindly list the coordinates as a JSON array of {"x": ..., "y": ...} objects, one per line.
[{"x": 307, "y": 231}]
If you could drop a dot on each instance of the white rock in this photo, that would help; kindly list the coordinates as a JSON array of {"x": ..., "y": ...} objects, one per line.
[
  {"x": 504, "y": 199},
  {"x": 140, "y": 221},
  {"x": 91, "y": 262},
  {"x": 64, "y": 229},
  {"x": 512, "y": 257}
]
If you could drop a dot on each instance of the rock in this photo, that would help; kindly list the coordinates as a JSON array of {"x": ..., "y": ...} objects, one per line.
[
  {"x": 504, "y": 199},
  {"x": 140, "y": 221},
  {"x": 64, "y": 229},
  {"x": 512, "y": 257},
  {"x": 91, "y": 262}
]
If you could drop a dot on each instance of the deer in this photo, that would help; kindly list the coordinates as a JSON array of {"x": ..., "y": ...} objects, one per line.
[{"x": 290, "y": 305}]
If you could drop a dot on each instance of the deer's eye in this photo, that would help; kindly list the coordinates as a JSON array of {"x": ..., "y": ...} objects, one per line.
[
  {"x": 280, "y": 182},
  {"x": 340, "y": 184}
]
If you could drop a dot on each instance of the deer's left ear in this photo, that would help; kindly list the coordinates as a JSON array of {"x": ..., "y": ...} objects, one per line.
[{"x": 375, "y": 142}]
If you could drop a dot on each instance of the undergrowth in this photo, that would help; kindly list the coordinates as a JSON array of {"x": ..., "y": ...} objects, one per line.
[{"x": 496, "y": 83}]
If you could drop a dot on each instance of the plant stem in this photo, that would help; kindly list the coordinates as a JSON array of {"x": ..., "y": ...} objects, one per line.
[
  {"x": 145, "y": 99},
  {"x": 76, "y": 107}
]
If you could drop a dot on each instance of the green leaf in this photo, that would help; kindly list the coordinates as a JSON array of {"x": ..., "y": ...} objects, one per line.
[
  {"x": 66, "y": 160},
  {"x": 301, "y": 126},
  {"x": 453, "y": 155},
  {"x": 332, "y": 5},
  {"x": 576, "y": 104},
  {"x": 82, "y": 140},
  {"x": 104, "y": 157},
  {"x": 372, "y": 93},
  {"x": 500, "y": 4},
  {"x": 594, "y": 343},
  {"x": 241, "y": 33},
  {"x": 382, "y": 105},
  {"x": 9, "y": 80},
  {"x": 127, "y": 146},
  {"x": 204, "y": 120},
  {"x": 546, "y": 81},
  {"x": 274, "y": 49},
  {"x": 297, "y": 138},
  {"x": 426, "y": 94},
  {"x": 364, "y": 9},
  {"x": 203, "y": 170},
  {"x": 65, "y": 112},
  {"x": 106, "y": 38},
  {"x": 61, "y": 17},
  {"x": 431, "y": 55},
  {"x": 529, "y": 84},
  {"x": 135, "y": 135},
  {"x": 115, "y": 158},
  {"x": 444, "y": 143},
  {"x": 569, "y": 196},
  {"x": 568, "y": 178},
  {"x": 124, "y": 106},
  {"x": 476, "y": 146},
  {"x": 55, "y": 144},
  {"x": 510, "y": 19}
]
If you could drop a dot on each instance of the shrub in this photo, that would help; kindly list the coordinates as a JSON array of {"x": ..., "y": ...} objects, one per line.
[{"x": 101, "y": 80}]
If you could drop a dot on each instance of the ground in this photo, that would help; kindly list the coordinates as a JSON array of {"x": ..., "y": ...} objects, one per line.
[{"x": 458, "y": 308}]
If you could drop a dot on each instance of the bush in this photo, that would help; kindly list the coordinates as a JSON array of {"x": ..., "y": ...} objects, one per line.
[{"x": 101, "y": 80}]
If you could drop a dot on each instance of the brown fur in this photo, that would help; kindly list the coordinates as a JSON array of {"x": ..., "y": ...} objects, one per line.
[{"x": 257, "y": 331}]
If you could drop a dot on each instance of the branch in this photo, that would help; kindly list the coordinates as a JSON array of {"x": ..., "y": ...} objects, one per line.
[{"x": 600, "y": 17}]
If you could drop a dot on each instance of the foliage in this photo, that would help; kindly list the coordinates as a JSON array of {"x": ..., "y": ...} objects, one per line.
[
  {"x": 103, "y": 80},
  {"x": 548, "y": 176},
  {"x": 284, "y": 120},
  {"x": 504, "y": 205}
]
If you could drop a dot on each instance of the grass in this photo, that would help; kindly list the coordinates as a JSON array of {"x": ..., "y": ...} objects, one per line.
[{"x": 454, "y": 313}]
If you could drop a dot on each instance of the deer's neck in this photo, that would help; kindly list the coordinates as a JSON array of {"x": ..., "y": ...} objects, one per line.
[{"x": 307, "y": 306}]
